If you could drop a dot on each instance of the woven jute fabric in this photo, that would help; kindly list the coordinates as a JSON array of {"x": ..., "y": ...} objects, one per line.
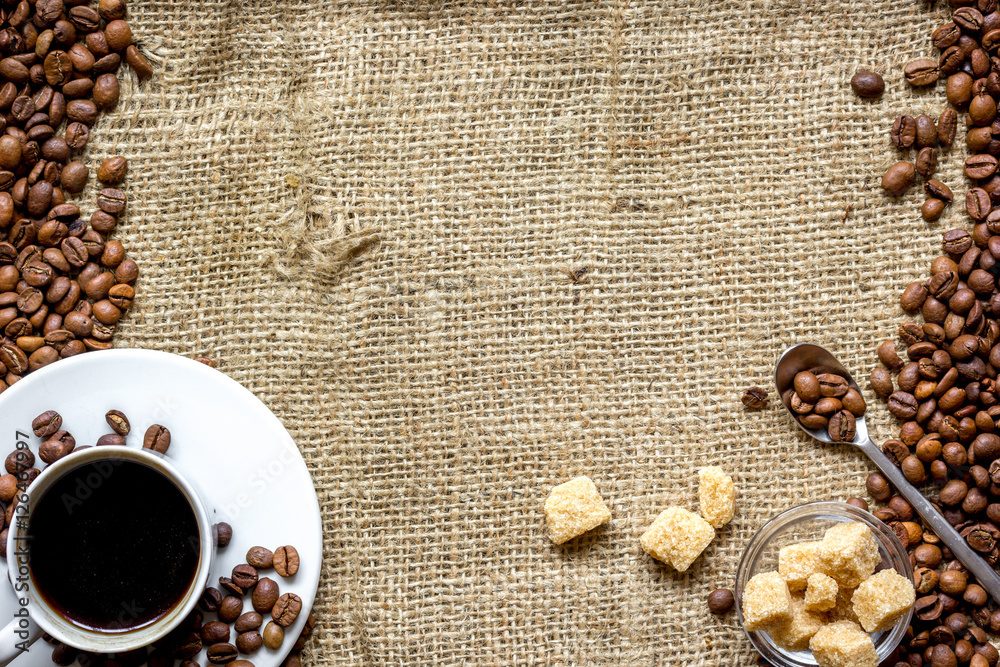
[{"x": 467, "y": 251}]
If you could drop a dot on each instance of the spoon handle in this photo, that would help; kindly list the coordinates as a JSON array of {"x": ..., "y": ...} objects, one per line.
[{"x": 980, "y": 569}]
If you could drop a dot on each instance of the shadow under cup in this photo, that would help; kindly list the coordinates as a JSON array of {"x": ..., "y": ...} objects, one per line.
[{"x": 113, "y": 548}]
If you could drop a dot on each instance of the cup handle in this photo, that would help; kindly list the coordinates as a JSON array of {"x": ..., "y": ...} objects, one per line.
[{"x": 17, "y": 636}]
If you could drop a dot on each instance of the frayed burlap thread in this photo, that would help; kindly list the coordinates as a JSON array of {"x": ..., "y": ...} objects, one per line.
[{"x": 467, "y": 251}]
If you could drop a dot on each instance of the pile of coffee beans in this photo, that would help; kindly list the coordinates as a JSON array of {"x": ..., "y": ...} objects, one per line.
[
  {"x": 64, "y": 285},
  {"x": 266, "y": 600},
  {"x": 825, "y": 400}
]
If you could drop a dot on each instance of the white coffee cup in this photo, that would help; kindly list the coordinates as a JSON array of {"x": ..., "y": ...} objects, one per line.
[{"x": 35, "y": 614}]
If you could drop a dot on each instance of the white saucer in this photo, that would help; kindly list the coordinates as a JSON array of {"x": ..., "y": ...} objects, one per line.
[{"x": 223, "y": 439}]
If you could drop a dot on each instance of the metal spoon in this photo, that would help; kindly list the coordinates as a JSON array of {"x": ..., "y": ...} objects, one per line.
[{"x": 807, "y": 357}]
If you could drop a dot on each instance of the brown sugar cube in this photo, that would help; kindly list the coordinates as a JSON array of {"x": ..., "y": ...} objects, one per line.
[
  {"x": 849, "y": 553},
  {"x": 677, "y": 537},
  {"x": 766, "y": 602},
  {"x": 821, "y": 592},
  {"x": 795, "y": 633},
  {"x": 797, "y": 561},
  {"x": 716, "y": 496},
  {"x": 881, "y": 600},
  {"x": 573, "y": 508},
  {"x": 843, "y": 644}
]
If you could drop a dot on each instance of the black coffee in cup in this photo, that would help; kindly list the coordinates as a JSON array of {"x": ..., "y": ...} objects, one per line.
[{"x": 113, "y": 545}]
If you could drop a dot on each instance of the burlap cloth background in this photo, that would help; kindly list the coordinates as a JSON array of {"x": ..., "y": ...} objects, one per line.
[{"x": 466, "y": 251}]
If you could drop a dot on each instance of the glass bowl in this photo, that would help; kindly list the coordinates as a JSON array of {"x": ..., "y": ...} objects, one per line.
[{"x": 809, "y": 522}]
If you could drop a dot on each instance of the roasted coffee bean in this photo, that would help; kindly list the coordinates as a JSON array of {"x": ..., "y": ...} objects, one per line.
[
  {"x": 286, "y": 609},
  {"x": 978, "y": 166},
  {"x": 249, "y": 642},
  {"x": 112, "y": 171},
  {"x": 229, "y": 586},
  {"x": 927, "y": 131},
  {"x": 900, "y": 176},
  {"x": 157, "y": 438},
  {"x": 903, "y": 405},
  {"x": 286, "y": 558},
  {"x": 46, "y": 423},
  {"x": 118, "y": 422},
  {"x": 932, "y": 209},
  {"x": 754, "y": 398},
  {"x": 947, "y": 127},
  {"x": 222, "y": 653},
  {"x": 113, "y": 201},
  {"x": 881, "y": 382},
  {"x": 247, "y": 622},
  {"x": 230, "y": 609},
  {"x": 260, "y": 558},
  {"x": 51, "y": 451},
  {"x": 111, "y": 439},
  {"x": 223, "y": 533},
  {"x": 244, "y": 576},
  {"x": 211, "y": 600},
  {"x": 215, "y": 632},
  {"x": 977, "y": 203},
  {"x": 921, "y": 72},
  {"x": 867, "y": 84},
  {"x": 265, "y": 594},
  {"x": 274, "y": 634},
  {"x": 904, "y": 132},
  {"x": 926, "y": 162}
]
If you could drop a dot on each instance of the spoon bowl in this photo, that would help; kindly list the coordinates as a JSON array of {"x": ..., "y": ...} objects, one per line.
[{"x": 809, "y": 357}]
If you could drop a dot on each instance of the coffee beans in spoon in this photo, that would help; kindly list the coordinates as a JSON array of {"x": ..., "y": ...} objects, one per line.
[{"x": 824, "y": 400}]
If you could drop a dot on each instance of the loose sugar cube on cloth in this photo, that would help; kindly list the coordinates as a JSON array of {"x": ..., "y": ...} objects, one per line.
[
  {"x": 766, "y": 602},
  {"x": 797, "y": 561},
  {"x": 794, "y": 634},
  {"x": 849, "y": 553},
  {"x": 677, "y": 537},
  {"x": 716, "y": 495},
  {"x": 573, "y": 508},
  {"x": 821, "y": 592},
  {"x": 881, "y": 600},
  {"x": 843, "y": 644}
]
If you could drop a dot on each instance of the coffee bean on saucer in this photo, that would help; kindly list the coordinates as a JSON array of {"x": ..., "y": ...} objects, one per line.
[
  {"x": 248, "y": 621},
  {"x": 64, "y": 655},
  {"x": 260, "y": 557},
  {"x": 8, "y": 487},
  {"x": 245, "y": 576},
  {"x": 230, "y": 586},
  {"x": 264, "y": 595},
  {"x": 215, "y": 632},
  {"x": 273, "y": 635},
  {"x": 306, "y": 633},
  {"x": 286, "y": 609},
  {"x": 239, "y": 663},
  {"x": 160, "y": 658},
  {"x": 110, "y": 439},
  {"x": 19, "y": 460},
  {"x": 118, "y": 422},
  {"x": 157, "y": 438},
  {"x": 51, "y": 451},
  {"x": 210, "y": 599},
  {"x": 223, "y": 533},
  {"x": 230, "y": 609},
  {"x": 46, "y": 423},
  {"x": 222, "y": 653},
  {"x": 249, "y": 642},
  {"x": 187, "y": 646},
  {"x": 286, "y": 561}
]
